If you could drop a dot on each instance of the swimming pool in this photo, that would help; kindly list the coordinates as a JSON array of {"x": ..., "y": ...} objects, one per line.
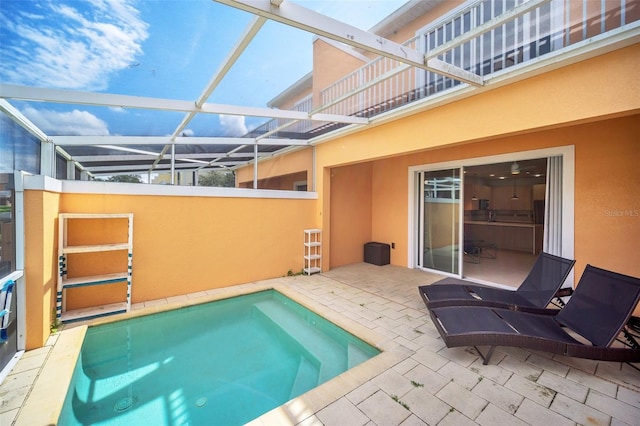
[{"x": 226, "y": 362}]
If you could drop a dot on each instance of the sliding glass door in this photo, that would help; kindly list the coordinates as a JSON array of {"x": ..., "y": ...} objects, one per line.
[{"x": 439, "y": 220}]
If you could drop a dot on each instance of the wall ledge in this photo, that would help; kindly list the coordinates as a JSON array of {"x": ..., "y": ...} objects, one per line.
[{"x": 46, "y": 183}]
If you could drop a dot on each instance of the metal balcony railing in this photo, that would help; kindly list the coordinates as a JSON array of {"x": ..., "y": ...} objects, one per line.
[
  {"x": 280, "y": 127},
  {"x": 384, "y": 84}
]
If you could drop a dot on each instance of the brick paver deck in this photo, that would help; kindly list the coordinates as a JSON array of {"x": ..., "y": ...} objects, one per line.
[{"x": 427, "y": 383}]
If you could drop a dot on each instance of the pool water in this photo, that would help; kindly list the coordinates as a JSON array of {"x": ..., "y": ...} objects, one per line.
[{"x": 225, "y": 362}]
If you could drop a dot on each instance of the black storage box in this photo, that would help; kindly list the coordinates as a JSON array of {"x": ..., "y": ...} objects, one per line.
[{"x": 377, "y": 253}]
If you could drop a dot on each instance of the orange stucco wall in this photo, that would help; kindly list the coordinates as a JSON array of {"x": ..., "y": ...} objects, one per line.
[
  {"x": 281, "y": 182},
  {"x": 293, "y": 164},
  {"x": 607, "y": 213},
  {"x": 180, "y": 245},
  {"x": 581, "y": 92},
  {"x": 512, "y": 118},
  {"x": 330, "y": 65},
  {"x": 41, "y": 233},
  {"x": 351, "y": 207},
  {"x": 607, "y": 194}
]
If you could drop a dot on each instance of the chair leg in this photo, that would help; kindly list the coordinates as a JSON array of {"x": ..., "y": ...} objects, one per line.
[{"x": 485, "y": 358}]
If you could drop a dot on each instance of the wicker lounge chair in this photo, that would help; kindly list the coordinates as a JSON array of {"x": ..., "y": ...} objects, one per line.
[
  {"x": 535, "y": 292},
  {"x": 598, "y": 311}
]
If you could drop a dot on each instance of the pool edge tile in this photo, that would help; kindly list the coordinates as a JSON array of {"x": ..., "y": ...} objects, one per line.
[
  {"x": 306, "y": 405},
  {"x": 44, "y": 403}
]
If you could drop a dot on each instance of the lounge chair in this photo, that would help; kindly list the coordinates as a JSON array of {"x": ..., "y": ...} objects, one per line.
[
  {"x": 598, "y": 311},
  {"x": 535, "y": 292}
]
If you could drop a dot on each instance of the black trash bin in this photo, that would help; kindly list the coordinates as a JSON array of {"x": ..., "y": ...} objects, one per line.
[{"x": 377, "y": 253}]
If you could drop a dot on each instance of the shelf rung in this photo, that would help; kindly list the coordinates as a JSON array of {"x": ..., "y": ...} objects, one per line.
[
  {"x": 94, "y": 280},
  {"x": 95, "y": 248},
  {"x": 96, "y": 215},
  {"x": 93, "y": 312}
]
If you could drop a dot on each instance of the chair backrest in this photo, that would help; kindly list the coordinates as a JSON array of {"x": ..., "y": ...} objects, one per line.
[
  {"x": 601, "y": 305},
  {"x": 545, "y": 278}
]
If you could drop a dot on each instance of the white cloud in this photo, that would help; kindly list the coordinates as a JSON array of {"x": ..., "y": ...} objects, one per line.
[
  {"x": 74, "y": 123},
  {"x": 188, "y": 132},
  {"x": 233, "y": 125},
  {"x": 73, "y": 46}
]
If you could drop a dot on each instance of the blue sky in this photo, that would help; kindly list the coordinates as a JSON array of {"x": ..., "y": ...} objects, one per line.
[{"x": 166, "y": 49}]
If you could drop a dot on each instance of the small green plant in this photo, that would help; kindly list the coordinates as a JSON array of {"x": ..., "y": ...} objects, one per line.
[
  {"x": 396, "y": 399},
  {"x": 290, "y": 273},
  {"x": 480, "y": 378},
  {"x": 451, "y": 410},
  {"x": 418, "y": 331},
  {"x": 416, "y": 384},
  {"x": 55, "y": 325},
  {"x": 362, "y": 304}
]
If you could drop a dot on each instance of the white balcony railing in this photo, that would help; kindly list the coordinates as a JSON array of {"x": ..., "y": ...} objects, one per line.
[
  {"x": 280, "y": 127},
  {"x": 384, "y": 84}
]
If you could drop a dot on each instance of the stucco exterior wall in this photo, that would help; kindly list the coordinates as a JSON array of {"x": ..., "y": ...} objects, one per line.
[
  {"x": 512, "y": 118},
  {"x": 351, "y": 213},
  {"x": 602, "y": 87},
  {"x": 41, "y": 264},
  {"x": 330, "y": 65},
  {"x": 605, "y": 153},
  {"x": 180, "y": 245},
  {"x": 291, "y": 164},
  {"x": 607, "y": 201}
]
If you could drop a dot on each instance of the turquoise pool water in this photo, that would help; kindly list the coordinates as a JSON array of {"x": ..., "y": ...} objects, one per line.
[{"x": 224, "y": 363}]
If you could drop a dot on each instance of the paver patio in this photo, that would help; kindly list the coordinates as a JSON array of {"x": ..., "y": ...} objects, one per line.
[{"x": 427, "y": 383}]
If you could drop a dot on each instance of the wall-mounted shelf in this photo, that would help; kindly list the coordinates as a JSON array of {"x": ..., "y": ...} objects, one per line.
[
  {"x": 66, "y": 284},
  {"x": 312, "y": 251}
]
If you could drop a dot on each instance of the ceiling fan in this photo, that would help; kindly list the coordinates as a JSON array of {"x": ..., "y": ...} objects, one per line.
[{"x": 515, "y": 168}]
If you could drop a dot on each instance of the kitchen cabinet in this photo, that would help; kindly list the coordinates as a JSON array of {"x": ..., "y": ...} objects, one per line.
[
  {"x": 482, "y": 192},
  {"x": 501, "y": 198},
  {"x": 506, "y": 235}
]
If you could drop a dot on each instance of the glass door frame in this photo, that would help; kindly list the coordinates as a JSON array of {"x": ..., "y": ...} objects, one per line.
[
  {"x": 420, "y": 219},
  {"x": 568, "y": 197}
]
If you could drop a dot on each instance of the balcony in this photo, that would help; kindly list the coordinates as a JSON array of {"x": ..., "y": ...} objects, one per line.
[{"x": 489, "y": 38}]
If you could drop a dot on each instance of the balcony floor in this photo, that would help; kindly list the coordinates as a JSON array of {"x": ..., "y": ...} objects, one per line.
[{"x": 416, "y": 381}]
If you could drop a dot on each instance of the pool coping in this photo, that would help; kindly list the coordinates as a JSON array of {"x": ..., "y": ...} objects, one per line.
[{"x": 44, "y": 403}]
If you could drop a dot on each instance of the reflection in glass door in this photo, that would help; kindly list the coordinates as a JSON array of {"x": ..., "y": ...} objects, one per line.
[{"x": 439, "y": 219}]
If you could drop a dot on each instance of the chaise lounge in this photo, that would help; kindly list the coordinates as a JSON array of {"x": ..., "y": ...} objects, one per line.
[
  {"x": 535, "y": 293},
  {"x": 592, "y": 320}
]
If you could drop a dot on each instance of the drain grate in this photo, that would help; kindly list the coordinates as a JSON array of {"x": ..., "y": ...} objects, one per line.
[{"x": 123, "y": 405}]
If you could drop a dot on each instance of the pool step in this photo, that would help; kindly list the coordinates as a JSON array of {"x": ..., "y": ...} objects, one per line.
[
  {"x": 329, "y": 354},
  {"x": 306, "y": 378},
  {"x": 355, "y": 355}
]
